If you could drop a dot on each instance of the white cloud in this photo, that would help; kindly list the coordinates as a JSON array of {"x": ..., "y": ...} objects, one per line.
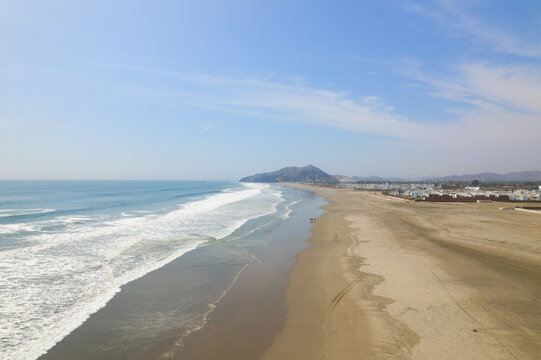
[
  {"x": 285, "y": 102},
  {"x": 499, "y": 124},
  {"x": 456, "y": 17},
  {"x": 518, "y": 86},
  {"x": 503, "y": 104},
  {"x": 500, "y": 99}
]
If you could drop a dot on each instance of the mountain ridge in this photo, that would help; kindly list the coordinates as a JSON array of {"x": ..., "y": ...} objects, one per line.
[
  {"x": 516, "y": 176},
  {"x": 311, "y": 173}
]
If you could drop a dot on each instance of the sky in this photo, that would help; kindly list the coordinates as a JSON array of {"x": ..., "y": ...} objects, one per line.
[{"x": 217, "y": 90}]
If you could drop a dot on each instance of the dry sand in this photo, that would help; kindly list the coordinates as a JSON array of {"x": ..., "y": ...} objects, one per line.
[{"x": 408, "y": 280}]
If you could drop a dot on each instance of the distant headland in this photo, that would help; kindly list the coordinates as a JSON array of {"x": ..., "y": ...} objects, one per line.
[
  {"x": 307, "y": 173},
  {"x": 312, "y": 174}
]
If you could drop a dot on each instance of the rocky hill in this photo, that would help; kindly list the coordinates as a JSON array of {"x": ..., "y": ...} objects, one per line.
[{"x": 308, "y": 173}]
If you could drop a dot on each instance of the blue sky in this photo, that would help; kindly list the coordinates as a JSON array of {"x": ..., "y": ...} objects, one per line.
[{"x": 220, "y": 90}]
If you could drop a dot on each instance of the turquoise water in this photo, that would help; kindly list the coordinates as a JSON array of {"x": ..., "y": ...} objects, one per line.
[{"x": 66, "y": 247}]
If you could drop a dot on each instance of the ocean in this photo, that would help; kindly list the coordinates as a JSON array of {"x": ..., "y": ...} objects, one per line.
[{"x": 67, "y": 247}]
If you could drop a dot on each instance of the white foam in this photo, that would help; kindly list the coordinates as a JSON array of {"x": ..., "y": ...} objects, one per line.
[
  {"x": 49, "y": 288},
  {"x": 288, "y": 209},
  {"x": 18, "y": 212},
  {"x": 36, "y": 226}
]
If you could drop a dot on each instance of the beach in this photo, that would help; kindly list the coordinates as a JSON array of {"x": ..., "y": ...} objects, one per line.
[
  {"x": 389, "y": 279},
  {"x": 221, "y": 300},
  {"x": 270, "y": 180},
  {"x": 372, "y": 278}
]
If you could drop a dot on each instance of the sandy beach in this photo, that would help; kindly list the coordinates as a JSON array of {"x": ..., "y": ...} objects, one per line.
[
  {"x": 387, "y": 279},
  {"x": 380, "y": 278}
]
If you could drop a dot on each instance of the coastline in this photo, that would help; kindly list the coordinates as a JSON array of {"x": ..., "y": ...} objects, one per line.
[
  {"x": 377, "y": 279},
  {"x": 244, "y": 324},
  {"x": 168, "y": 313},
  {"x": 67, "y": 252},
  {"x": 404, "y": 280}
]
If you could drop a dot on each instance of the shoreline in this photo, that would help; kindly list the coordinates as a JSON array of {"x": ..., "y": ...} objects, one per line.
[
  {"x": 317, "y": 298},
  {"x": 168, "y": 313},
  {"x": 371, "y": 279},
  {"x": 387, "y": 280},
  {"x": 244, "y": 324}
]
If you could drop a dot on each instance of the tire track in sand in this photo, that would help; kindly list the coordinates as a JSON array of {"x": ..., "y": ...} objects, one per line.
[{"x": 336, "y": 300}]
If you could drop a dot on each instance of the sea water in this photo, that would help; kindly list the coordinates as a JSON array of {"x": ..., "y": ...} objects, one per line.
[{"x": 66, "y": 247}]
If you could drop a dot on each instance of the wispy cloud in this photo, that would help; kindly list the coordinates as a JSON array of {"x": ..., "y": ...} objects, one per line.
[
  {"x": 501, "y": 101},
  {"x": 495, "y": 119},
  {"x": 284, "y": 102},
  {"x": 518, "y": 86},
  {"x": 500, "y": 123},
  {"x": 482, "y": 84},
  {"x": 458, "y": 19}
]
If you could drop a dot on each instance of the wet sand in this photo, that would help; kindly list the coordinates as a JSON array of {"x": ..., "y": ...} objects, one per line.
[
  {"x": 246, "y": 321},
  {"x": 407, "y": 280},
  {"x": 380, "y": 279},
  {"x": 230, "y": 295}
]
